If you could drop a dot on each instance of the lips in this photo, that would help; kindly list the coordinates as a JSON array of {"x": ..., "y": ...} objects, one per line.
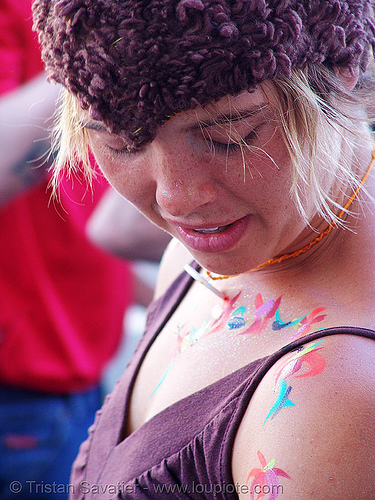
[{"x": 213, "y": 239}]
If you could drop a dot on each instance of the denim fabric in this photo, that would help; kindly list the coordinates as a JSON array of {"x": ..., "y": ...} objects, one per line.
[{"x": 40, "y": 435}]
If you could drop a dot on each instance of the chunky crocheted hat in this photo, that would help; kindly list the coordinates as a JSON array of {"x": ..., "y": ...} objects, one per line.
[{"x": 136, "y": 63}]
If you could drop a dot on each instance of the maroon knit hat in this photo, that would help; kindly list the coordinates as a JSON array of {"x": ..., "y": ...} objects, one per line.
[{"x": 136, "y": 63}]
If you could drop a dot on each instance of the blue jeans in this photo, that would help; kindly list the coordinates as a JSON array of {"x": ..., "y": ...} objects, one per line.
[{"x": 40, "y": 436}]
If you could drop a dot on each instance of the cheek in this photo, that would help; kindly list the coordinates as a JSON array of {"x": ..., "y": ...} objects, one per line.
[{"x": 265, "y": 175}]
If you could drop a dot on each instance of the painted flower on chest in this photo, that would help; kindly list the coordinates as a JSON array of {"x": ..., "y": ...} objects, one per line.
[
  {"x": 266, "y": 481},
  {"x": 232, "y": 315}
]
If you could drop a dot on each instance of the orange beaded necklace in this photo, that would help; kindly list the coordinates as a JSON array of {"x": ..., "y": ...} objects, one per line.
[{"x": 320, "y": 236}]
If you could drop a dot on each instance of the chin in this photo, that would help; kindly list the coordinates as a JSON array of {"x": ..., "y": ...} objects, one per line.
[{"x": 223, "y": 266}]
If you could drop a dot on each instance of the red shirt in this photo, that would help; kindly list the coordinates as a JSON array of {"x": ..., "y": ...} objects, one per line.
[
  {"x": 62, "y": 300},
  {"x": 19, "y": 50}
]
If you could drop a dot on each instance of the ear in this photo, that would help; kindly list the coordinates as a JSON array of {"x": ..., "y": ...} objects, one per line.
[{"x": 348, "y": 76}]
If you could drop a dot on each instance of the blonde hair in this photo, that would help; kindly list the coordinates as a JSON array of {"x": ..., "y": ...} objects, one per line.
[
  {"x": 70, "y": 142},
  {"x": 319, "y": 118}
]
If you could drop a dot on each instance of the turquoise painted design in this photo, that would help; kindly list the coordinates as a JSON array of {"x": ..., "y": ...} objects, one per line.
[
  {"x": 240, "y": 318},
  {"x": 282, "y": 400},
  {"x": 293, "y": 367}
]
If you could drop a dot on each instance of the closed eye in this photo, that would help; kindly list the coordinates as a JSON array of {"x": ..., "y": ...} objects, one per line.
[
  {"x": 112, "y": 143},
  {"x": 119, "y": 151},
  {"x": 234, "y": 145},
  {"x": 229, "y": 143}
]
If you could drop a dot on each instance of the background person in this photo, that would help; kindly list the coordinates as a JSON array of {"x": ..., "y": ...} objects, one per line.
[
  {"x": 116, "y": 227},
  {"x": 62, "y": 299}
]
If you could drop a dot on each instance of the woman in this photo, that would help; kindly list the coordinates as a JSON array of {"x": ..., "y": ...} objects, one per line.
[{"x": 240, "y": 128}]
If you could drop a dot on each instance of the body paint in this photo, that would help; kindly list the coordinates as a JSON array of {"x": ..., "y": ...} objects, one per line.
[
  {"x": 237, "y": 320},
  {"x": 184, "y": 339},
  {"x": 282, "y": 400},
  {"x": 192, "y": 335},
  {"x": 177, "y": 350},
  {"x": 266, "y": 481},
  {"x": 278, "y": 324},
  {"x": 231, "y": 315},
  {"x": 305, "y": 356},
  {"x": 264, "y": 312},
  {"x": 225, "y": 315},
  {"x": 307, "y": 322},
  {"x": 308, "y": 355}
]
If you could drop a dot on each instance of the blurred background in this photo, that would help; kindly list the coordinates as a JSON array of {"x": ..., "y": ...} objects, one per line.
[{"x": 77, "y": 272}]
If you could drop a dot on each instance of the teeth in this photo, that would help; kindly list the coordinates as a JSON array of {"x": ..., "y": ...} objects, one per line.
[
  {"x": 207, "y": 231},
  {"x": 211, "y": 230}
]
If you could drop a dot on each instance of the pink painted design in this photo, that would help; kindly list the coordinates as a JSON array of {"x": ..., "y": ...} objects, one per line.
[
  {"x": 266, "y": 479},
  {"x": 225, "y": 315},
  {"x": 189, "y": 335},
  {"x": 309, "y": 356},
  {"x": 306, "y": 356},
  {"x": 306, "y": 323},
  {"x": 264, "y": 312},
  {"x": 180, "y": 346}
]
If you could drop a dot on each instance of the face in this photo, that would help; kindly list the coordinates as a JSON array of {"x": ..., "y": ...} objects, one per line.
[{"x": 217, "y": 178}]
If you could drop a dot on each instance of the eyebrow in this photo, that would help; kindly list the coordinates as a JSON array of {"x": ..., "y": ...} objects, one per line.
[
  {"x": 92, "y": 125},
  {"x": 231, "y": 117}
]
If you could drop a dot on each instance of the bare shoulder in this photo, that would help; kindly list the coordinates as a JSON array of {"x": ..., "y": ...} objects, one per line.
[
  {"x": 171, "y": 265},
  {"x": 309, "y": 430}
]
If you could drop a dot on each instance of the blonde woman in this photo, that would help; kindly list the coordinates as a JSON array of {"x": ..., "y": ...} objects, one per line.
[{"x": 240, "y": 128}]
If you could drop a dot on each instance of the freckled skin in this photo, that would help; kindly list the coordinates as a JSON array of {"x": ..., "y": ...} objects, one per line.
[{"x": 181, "y": 178}]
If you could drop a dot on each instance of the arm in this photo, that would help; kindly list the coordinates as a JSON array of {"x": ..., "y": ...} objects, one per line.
[
  {"x": 24, "y": 137},
  {"x": 118, "y": 227},
  {"x": 319, "y": 441}
]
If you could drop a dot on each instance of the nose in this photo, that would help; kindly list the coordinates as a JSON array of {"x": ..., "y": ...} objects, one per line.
[{"x": 184, "y": 183}]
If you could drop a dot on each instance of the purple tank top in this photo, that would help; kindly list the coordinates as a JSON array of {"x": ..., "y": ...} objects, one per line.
[{"x": 184, "y": 451}]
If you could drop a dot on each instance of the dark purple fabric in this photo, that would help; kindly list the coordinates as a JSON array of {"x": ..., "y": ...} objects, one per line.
[
  {"x": 136, "y": 63},
  {"x": 188, "y": 445}
]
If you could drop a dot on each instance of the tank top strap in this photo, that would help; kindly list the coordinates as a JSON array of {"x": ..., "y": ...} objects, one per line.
[{"x": 254, "y": 380}]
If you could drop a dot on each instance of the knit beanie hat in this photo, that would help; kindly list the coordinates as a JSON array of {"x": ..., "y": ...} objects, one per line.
[{"x": 136, "y": 63}]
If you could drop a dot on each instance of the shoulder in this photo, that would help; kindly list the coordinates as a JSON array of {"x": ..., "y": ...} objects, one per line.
[
  {"x": 171, "y": 265},
  {"x": 309, "y": 429}
]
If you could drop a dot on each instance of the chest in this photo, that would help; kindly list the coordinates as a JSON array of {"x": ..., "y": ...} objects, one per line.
[{"x": 207, "y": 339}]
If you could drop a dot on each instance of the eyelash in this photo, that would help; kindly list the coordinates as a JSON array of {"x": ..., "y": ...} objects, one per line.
[
  {"x": 216, "y": 146},
  {"x": 232, "y": 147},
  {"x": 119, "y": 152}
]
